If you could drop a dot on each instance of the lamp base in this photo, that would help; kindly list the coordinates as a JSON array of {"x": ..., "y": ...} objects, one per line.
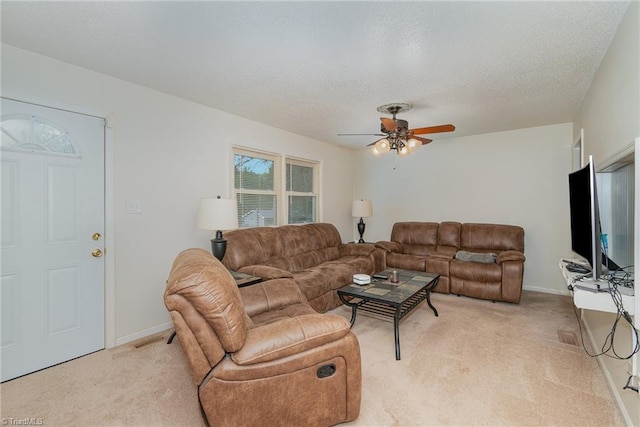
[
  {"x": 218, "y": 246},
  {"x": 361, "y": 230}
]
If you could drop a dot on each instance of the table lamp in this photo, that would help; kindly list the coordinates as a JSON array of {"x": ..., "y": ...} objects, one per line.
[
  {"x": 218, "y": 214},
  {"x": 362, "y": 209}
]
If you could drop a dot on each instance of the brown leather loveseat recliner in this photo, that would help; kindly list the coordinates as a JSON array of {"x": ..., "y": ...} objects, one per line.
[
  {"x": 473, "y": 259},
  {"x": 260, "y": 355}
]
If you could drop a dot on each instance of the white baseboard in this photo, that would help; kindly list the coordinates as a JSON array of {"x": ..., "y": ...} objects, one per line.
[
  {"x": 144, "y": 333},
  {"x": 610, "y": 382},
  {"x": 547, "y": 290}
]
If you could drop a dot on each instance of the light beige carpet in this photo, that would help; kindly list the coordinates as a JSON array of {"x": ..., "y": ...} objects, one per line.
[{"x": 479, "y": 363}]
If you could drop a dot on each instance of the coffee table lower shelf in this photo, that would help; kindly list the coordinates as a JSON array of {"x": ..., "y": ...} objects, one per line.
[{"x": 396, "y": 310}]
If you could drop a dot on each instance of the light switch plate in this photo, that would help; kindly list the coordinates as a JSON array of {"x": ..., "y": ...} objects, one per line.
[{"x": 133, "y": 206}]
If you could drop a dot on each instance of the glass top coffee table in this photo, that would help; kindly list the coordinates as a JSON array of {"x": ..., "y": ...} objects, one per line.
[{"x": 389, "y": 299}]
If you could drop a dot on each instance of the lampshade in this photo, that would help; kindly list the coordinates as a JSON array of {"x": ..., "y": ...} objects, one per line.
[
  {"x": 218, "y": 214},
  {"x": 361, "y": 209}
]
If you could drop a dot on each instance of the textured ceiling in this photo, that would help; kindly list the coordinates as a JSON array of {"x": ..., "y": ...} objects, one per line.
[{"x": 322, "y": 68}]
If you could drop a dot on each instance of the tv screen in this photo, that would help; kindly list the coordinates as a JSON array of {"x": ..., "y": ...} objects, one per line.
[{"x": 585, "y": 220}]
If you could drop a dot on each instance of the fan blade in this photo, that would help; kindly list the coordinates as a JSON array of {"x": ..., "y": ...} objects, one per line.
[
  {"x": 424, "y": 141},
  {"x": 434, "y": 129},
  {"x": 361, "y": 134},
  {"x": 389, "y": 124}
]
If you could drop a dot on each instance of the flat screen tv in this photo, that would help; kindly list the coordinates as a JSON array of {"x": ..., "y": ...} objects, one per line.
[{"x": 585, "y": 219}]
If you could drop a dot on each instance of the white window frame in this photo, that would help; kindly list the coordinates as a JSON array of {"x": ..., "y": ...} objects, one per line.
[
  {"x": 277, "y": 178},
  {"x": 280, "y": 183},
  {"x": 316, "y": 184}
]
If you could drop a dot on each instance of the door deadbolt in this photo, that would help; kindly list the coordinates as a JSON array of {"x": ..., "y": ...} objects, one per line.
[
  {"x": 96, "y": 253},
  {"x": 96, "y": 236}
]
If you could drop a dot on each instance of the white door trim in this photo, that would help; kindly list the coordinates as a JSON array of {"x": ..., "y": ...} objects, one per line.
[{"x": 109, "y": 256}]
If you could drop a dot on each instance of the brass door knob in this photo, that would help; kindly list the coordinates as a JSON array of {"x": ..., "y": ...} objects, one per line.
[
  {"x": 96, "y": 236},
  {"x": 96, "y": 253}
]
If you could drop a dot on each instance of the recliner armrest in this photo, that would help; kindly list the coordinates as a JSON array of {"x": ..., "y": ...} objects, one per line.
[
  {"x": 510, "y": 256},
  {"x": 265, "y": 271},
  {"x": 290, "y": 336},
  {"x": 270, "y": 295},
  {"x": 390, "y": 246}
]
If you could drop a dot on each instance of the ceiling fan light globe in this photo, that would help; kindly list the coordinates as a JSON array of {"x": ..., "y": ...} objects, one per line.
[
  {"x": 403, "y": 151},
  {"x": 413, "y": 144},
  {"x": 382, "y": 146}
]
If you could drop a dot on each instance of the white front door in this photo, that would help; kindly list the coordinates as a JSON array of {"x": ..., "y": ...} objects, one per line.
[{"x": 52, "y": 273}]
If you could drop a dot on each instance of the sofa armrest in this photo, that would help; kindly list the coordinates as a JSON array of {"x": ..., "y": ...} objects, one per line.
[
  {"x": 265, "y": 271},
  {"x": 390, "y": 246},
  {"x": 290, "y": 336},
  {"x": 270, "y": 295},
  {"x": 510, "y": 256},
  {"x": 356, "y": 249}
]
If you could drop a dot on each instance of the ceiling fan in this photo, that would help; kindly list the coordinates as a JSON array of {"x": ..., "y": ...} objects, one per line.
[{"x": 396, "y": 132}]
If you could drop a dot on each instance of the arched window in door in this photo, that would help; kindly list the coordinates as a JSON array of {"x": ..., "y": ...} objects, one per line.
[{"x": 23, "y": 132}]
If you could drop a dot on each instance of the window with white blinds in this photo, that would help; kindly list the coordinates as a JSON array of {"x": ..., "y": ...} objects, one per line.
[
  {"x": 301, "y": 189},
  {"x": 264, "y": 198}
]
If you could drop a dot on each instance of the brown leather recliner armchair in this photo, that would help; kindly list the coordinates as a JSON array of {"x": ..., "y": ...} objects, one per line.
[{"x": 260, "y": 355}]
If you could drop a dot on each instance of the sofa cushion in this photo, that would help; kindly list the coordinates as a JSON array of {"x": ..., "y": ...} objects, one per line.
[
  {"x": 406, "y": 262},
  {"x": 416, "y": 233},
  {"x": 491, "y": 237},
  {"x": 420, "y": 250},
  {"x": 271, "y": 296},
  {"x": 449, "y": 234},
  {"x": 265, "y": 271},
  {"x": 331, "y": 275},
  {"x": 485, "y": 258},
  {"x": 268, "y": 342},
  {"x": 356, "y": 264},
  {"x": 250, "y": 247},
  {"x": 310, "y": 259},
  {"x": 289, "y": 311},
  {"x": 301, "y": 239},
  {"x": 316, "y": 281},
  {"x": 282, "y": 263}
]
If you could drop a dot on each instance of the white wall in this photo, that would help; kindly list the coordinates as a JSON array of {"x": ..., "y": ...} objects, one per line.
[
  {"x": 516, "y": 177},
  {"x": 610, "y": 113},
  {"x": 167, "y": 153},
  {"x": 610, "y": 117}
]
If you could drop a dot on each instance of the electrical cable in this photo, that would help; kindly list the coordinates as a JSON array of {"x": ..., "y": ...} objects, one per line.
[
  {"x": 628, "y": 385},
  {"x": 614, "y": 279}
]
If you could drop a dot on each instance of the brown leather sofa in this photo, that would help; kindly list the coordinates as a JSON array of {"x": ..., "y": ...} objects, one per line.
[
  {"x": 312, "y": 254},
  {"x": 260, "y": 355},
  {"x": 463, "y": 256}
]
